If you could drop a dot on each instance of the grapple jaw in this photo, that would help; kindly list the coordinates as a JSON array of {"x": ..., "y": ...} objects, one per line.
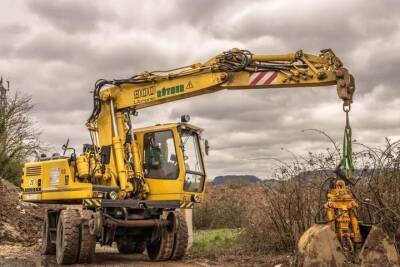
[
  {"x": 320, "y": 246},
  {"x": 378, "y": 249}
]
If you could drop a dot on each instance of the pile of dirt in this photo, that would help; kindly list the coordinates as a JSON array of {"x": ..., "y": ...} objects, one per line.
[{"x": 20, "y": 222}]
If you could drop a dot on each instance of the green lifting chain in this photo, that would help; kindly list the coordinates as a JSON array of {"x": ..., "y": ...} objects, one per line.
[{"x": 345, "y": 168}]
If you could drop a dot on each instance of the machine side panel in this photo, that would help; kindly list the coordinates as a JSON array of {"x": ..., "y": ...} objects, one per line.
[{"x": 52, "y": 180}]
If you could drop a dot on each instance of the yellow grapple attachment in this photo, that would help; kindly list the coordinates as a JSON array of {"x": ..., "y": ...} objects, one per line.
[{"x": 342, "y": 240}]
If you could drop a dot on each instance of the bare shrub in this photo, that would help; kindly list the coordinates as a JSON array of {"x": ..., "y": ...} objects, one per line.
[
  {"x": 19, "y": 137},
  {"x": 379, "y": 187},
  {"x": 273, "y": 216},
  {"x": 296, "y": 203},
  {"x": 290, "y": 206},
  {"x": 224, "y": 206}
]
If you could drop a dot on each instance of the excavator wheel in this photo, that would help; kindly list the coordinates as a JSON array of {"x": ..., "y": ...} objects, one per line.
[
  {"x": 181, "y": 237},
  {"x": 127, "y": 245},
  {"x": 161, "y": 249},
  {"x": 319, "y": 246},
  {"x": 47, "y": 246},
  {"x": 88, "y": 241},
  {"x": 68, "y": 237}
]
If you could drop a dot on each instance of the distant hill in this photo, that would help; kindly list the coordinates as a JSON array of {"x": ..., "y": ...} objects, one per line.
[
  {"x": 236, "y": 180},
  {"x": 307, "y": 176},
  {"x": 314, "y": 175}
]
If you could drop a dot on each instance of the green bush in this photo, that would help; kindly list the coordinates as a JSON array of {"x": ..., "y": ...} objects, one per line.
[{"x": 12, "y": 172}]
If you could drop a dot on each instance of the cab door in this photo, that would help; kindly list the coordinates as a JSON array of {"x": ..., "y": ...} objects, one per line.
[{"x": 163, "y": 171}]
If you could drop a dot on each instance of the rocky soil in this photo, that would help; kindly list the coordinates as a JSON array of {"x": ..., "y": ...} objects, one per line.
[{"x": 20, "y": 222}]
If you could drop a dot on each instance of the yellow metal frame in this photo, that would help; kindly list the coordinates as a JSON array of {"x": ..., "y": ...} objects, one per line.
[{"x": 56, "y": 180}]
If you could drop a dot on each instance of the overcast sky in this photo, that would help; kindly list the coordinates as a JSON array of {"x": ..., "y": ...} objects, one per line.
[{"x": 56, "y": 50}]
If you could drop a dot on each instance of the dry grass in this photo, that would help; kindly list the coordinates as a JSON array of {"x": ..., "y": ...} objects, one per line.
[
  {"x": 224, "y": 206},
  {"x": 274, "y": 217}
]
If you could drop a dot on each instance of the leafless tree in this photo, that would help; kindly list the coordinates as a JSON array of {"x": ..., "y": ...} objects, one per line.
[{"x": 19, "y": 136}]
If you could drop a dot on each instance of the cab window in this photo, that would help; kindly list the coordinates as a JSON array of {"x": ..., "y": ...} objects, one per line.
[
  {"x": 160, "y": 160},
  {"x": 194, "y": 179}
]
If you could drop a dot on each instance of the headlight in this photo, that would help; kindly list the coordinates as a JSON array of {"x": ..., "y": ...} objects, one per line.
[
  {"x": 196, "y": 198},
  {"x": 113, "y": 195}
]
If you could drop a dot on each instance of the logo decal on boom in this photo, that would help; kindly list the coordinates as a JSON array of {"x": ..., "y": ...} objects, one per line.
[
  {"x": 144, "y": 92},
  {"x": 171, "y": 90}
]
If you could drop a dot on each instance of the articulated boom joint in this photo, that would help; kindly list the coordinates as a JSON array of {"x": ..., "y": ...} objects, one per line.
[{"x": 345, "y": 86}]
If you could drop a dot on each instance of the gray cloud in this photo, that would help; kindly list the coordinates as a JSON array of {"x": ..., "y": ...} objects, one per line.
[
  {"x": 71, "y": 16},
  {"x": 13, "y": 29},
  {"x": 59, "y": 49},
  {"x": 11, "y": 34},
  {"x": 46, "y": 47}
]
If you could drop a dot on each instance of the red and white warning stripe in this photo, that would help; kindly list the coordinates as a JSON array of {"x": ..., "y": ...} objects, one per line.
[{"x": 263, "y": 78}]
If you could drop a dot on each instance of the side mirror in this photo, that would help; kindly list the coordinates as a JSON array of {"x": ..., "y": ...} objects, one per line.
[{"x": 206, "y": 147}]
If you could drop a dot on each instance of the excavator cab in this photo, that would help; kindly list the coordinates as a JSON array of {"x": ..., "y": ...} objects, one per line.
[
  {"x": 173, "y": 168},
  {"x": 173, "y": 163}
]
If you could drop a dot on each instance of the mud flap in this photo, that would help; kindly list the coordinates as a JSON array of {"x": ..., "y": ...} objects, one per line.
[
  {"x": 319, "y": 246},
  {"x": 378, "y": 250}
]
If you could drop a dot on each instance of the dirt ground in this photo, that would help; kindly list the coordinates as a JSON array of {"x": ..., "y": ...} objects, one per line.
[
  {"x": 20, "y": 222},
  {"x": 18, "y": 255}
]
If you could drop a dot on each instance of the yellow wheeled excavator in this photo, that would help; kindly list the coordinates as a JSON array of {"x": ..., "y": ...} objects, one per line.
[{"x": 129, "y": 185}]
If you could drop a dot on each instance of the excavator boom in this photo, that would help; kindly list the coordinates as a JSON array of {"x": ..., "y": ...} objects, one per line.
[{"x": 235, "y": 69}]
